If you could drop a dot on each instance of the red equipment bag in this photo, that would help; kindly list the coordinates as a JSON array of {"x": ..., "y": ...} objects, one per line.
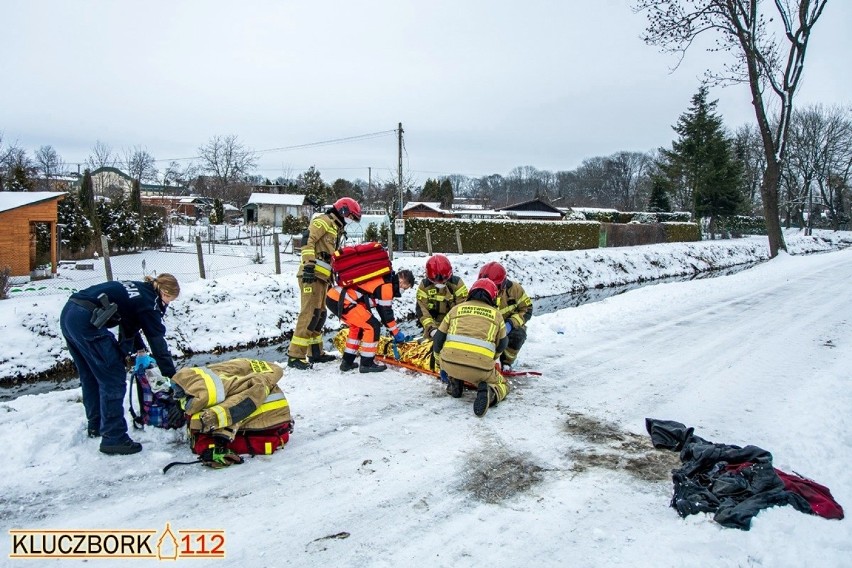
[
  {"x": 359, "y": 263},
  {"x": 252, "y": 442}
]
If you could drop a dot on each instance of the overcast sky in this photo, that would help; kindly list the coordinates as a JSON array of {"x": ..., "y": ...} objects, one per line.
[{"x": 480, "y": 86}]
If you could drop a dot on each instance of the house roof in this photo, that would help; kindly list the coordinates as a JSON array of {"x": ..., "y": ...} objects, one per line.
[
  {"x": 291, "y": 199},
  {"x": 434, "y": 205},
  {"x": 14, "y": 199},
  {"x": 532, "y": 205}
]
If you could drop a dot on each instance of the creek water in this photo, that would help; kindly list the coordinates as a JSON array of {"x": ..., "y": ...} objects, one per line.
[{"x": 278, "y": 352}]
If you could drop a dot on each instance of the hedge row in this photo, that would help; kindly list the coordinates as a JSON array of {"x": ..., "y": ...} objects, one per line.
[{"x": 488, "y": 236}]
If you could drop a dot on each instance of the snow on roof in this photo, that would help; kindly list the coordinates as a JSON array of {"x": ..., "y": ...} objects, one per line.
[
  {"x": 531, "y": 214},
  {"x": 14, "y": 199},
  {"x": 436, "y": 205},
  {"x": 277, "y": 199}
]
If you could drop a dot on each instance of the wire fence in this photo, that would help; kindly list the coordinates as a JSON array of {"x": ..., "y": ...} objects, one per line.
[{"x": 189, "y": 253}]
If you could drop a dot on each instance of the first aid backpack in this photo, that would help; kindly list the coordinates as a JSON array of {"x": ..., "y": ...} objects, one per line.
[
  {"x": 355, "y": 264},
  {"x": 153, "y": 398}
]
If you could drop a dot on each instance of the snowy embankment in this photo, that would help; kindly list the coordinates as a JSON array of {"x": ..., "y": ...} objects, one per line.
[{"x": 249, "y": 309}]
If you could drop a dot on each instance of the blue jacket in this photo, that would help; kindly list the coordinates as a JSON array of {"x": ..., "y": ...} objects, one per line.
[{"x": 141, "y": 309}]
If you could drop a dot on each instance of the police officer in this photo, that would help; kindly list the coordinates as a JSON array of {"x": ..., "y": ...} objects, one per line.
[
  {"x": 469, "y": 339},
  {"x": 516, "y": 307},
  {"x": 100, "y": 358},
  {"x": 438, "y": 293},
  {"x": 314, "y": 275}
]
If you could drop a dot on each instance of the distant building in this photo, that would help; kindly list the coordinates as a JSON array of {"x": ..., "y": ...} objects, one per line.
[
  {"x": 271, "y": 209},
  {"x": 113, "y": 183},
  {"x": 533, "y": 210},
  {"x": 424, "y": 209},
  {"x": 20, "y": 213}
]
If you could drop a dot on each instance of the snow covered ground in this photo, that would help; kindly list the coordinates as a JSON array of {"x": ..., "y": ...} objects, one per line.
[{"x": 397, "y": 473}]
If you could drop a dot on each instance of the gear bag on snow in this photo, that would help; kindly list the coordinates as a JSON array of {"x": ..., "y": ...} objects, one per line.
[
  {"x": 358, "y": 263},
  {"x": 154, "y": 398}
]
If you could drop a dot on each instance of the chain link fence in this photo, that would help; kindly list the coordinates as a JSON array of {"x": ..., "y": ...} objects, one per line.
[{"x": 189, "y": 253}]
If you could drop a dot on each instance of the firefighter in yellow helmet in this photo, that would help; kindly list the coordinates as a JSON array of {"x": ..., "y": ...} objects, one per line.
[{"x": 468, "y": 341}]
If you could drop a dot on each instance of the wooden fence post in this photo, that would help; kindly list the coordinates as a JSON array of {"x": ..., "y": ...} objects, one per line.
[
  {"x": 390, "y": 243},
  {"x": 458, "y": 240},
  {"x": 277, "y": 253},
  {"x": 428, "y": 242},
  {"x": 200, "y": 256},
  {"x": 107, "y": 263}
]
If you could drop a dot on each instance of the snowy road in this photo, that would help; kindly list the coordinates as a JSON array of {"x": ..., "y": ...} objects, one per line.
[{"x": 395, "y": 472}]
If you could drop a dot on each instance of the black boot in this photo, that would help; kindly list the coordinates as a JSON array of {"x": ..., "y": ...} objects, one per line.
[
  {"x": 323, "y": 358},
  {"x": 348, "y": 363},
  {"x": 297, "y": 363},
  {"x": 123, "y": 449},
  {"x": 368, "y": 365},
  {"x": 484, "y": 399},
  {"x": 455, "y": 388}
]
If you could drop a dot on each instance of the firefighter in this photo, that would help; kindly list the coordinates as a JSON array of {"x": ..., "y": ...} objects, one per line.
[
  {"x": 354, "y": 305},
  {"x": 225, "y": 398},
  {"x": 468, "y": 341},
  {"x": 438, "y": 293},
  {"x": 516, "y": 307},
  {"x": 314, "y": 275},
  {"x": 100, "y": 357}
]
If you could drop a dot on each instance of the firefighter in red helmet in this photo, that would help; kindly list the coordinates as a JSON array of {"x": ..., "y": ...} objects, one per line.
[
  {"x": 468, "y": 340},
  {"x": 516, "y": 307},
  {"x": 438, "y": 293},
  {"x": 325, "y": 236}
]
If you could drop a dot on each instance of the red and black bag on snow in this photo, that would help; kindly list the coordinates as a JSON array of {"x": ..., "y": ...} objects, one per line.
[
  {"x": 155, "y": 402},
  {"x": 252, "y": 442},
  {"x": 355, "y": 264}
]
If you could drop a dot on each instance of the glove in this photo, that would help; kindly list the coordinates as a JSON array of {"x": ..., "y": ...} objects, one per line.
[
  {"x": 308, "y": 276},
  {"x": 175, "y": 417},
  {"x": 143, "y": 362},
  {"x": 445, "y": 378},
  {"x": 508, "y": 327},
  {"x": 400, "y": 337},
  {"x": 432, "y": 332},
  {"x": 218, "y": 457}
]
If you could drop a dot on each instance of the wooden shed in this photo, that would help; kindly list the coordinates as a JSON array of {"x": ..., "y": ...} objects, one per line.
[{"x": 21, "y": 213}]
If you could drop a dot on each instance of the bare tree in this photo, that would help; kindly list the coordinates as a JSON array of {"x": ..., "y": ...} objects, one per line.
[
  {"x": 626, "y": 173},
  {"x": 49, "y": 164},
  {"x": 180, "y": 176},
  {"x": 227, "y": 161},
  {"x": 748, "y": 148},
  {"x": 102, "y": 156},
  {"x": 140, "y": 164},
  {"x": 770, "y": 60}
]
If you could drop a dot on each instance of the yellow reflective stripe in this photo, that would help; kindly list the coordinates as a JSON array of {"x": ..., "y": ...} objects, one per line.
[
  {"x": 321, "y": 224},
  {"x": 322, "y": 268},
  {"x": 517, "y": 320},
  {"x": 427, "y": 321},
  {"x": 259, "y": 366},
  {"x": 213, "y": 384},
  {"x": 421, "y": 294},
  {"x": 471, "y": 348},
  {"x": 269, "y": 405},
  {"x": 301, "y": 341},
  {"x": 221, "y": 415},
  {"x": 371, "y": 275}
]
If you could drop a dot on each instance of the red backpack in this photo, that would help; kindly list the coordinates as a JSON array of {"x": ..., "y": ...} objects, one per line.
[{"x": 358, "y": 263}]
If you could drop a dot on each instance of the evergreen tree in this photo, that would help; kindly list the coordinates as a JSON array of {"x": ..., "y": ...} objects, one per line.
[
  {"x": 311, "y": 183},
  {"x": 87, "y": 201},
  {"x": 76, "y": 234},
  {"x": 659, "y": 201},
  {"x": 136, "y": 197},
  {"x": 371, "y": 233},
  {"x": 445, "y": 193},
  {"x": 218, "y": 212},
  {"x": 701, "y": 167},
  {"x": 431, "y": 191}
]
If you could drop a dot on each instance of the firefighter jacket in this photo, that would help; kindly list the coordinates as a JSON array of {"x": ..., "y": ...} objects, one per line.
[
  {"x": 324, "y": 237},
  {"x": 240, "y": 394},
  {"x": 472, "y": 335},
  {"x": 433, "y": 303},
  {"x": 514, "y": 304},
  {"x": 377, "y": 293}
]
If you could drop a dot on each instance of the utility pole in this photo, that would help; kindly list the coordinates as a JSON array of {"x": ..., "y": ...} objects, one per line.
[{"x": 399, "y": 173}]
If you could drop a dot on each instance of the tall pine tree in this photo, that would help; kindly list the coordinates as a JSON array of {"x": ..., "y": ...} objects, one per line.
[
  {"x": 87, "y": 201},
  {"x": 700, "y": 167}
]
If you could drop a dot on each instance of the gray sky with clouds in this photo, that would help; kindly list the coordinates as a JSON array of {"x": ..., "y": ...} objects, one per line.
[{"x": 480, "y": 86}]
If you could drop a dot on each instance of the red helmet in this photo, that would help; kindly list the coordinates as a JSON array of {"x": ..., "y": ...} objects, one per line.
[
  {"x": 348, "y": 206},
  {"x": 438, "y": 268},
  {"x": 485, "y": 285},
  {"x": 495, "y": 272}
]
